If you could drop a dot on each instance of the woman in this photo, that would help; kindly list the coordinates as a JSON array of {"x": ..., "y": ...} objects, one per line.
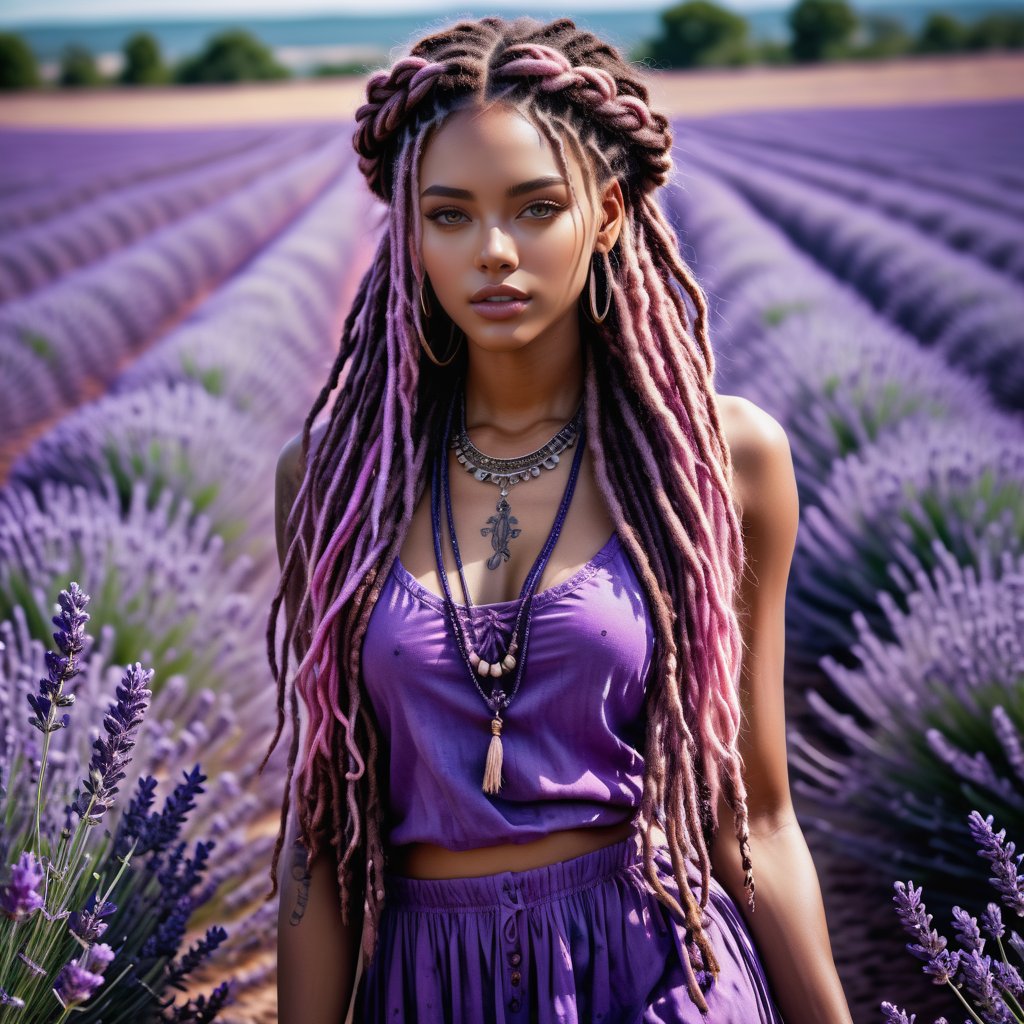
[{"x": 528, "y": 792}]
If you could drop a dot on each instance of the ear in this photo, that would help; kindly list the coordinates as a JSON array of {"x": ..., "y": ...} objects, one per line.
[{"x": 612, "y": 215}]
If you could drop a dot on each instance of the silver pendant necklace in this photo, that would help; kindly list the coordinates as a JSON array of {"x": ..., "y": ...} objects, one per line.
[{"x": 506, "y": 473}]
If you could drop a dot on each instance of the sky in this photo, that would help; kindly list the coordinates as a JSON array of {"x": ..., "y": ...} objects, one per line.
[{"x": 39, "y": 11}]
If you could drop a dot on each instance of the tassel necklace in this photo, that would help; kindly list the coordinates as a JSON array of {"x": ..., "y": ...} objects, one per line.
[{"x": 515, "y": 659}]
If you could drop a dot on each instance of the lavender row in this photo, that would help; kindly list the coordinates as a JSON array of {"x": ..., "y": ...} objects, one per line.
[
  {"x": 984, "y": 234},
  {"x": 40, "y": 253},
  {"x": 912, "y": 488},
  {"x": 979, "y": 183},
  {"x": 982, "y": 132},
  {"x": 948, "y": 144},
  {"x": 48, "y": 173},
  {"x": 970, "y": 314},
  {"x": 81, "y": 329}
]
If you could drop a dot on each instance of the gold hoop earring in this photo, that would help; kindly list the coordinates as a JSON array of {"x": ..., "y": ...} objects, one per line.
[
  {"x": 426, "y": 347},
  {"x": 608, "y": 287},
  {"x": 426, "y": 312}
]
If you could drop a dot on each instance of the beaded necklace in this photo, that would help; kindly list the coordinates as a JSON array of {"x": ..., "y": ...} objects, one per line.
[{"x": 515, "y": 659}]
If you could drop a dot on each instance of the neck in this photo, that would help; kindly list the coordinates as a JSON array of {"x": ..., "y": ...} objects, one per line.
[{"x": 511, "y": 392}]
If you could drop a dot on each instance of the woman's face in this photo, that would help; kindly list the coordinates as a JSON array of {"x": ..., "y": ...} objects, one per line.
[{"x": 537, "y": 240}]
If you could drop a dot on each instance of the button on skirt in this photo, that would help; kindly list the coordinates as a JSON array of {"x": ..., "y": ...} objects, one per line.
[{"x": 578, "y": 941}]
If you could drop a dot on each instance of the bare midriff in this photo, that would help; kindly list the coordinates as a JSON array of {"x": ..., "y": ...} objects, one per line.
[{"x": 426, "y": 860}]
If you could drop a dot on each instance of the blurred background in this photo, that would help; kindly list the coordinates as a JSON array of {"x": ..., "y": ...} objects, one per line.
[{"x": 182, "y": 229}]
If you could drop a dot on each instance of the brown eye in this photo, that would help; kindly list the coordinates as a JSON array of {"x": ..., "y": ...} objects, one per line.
[
  {"x": 545, "y": 204},
  {"x": 438, "y": 214}
]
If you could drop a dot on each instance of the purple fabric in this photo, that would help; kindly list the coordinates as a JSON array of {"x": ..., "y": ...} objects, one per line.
[
  {"x": 573, "y": 734},
  {"x": 575, "y": 942}
]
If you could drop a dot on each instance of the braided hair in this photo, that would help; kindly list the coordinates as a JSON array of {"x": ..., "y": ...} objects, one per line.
[{"x": 661, "y": 459}]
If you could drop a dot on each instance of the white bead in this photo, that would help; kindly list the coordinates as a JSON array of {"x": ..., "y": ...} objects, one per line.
[
  {"x": 474, "y": 658},
  {"x": 496, "y": 670},
  {"x": 509, "y": 662},
  {"x": 483, "y": 668}
]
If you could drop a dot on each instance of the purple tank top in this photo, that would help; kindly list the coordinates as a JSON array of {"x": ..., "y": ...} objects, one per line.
[{"x": 573, "y": 735}]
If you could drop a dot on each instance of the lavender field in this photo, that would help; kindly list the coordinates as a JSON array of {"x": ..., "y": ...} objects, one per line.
[{"x": 170, "y": 302}]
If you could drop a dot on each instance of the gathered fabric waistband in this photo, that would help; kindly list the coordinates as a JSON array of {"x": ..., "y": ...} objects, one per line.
[{"x": 534, "y": 885}]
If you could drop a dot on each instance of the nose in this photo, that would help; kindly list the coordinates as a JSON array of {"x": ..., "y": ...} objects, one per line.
[{"x": 497, "y": 251}]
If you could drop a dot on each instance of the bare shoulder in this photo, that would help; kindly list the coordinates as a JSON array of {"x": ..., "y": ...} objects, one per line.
[
  {"x": 289, "y": 461},
  {"x": 763, "y": 476}
]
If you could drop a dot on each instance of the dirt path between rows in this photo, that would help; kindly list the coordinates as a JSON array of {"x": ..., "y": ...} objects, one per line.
[{"x": 955, "y": 78}]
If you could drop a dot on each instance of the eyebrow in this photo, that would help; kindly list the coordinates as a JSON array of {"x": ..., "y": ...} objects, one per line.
[{"x": 514, "y": 190}]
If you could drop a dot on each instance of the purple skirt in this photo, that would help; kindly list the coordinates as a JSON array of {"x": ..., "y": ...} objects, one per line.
[{"x": 578, "y": 941}]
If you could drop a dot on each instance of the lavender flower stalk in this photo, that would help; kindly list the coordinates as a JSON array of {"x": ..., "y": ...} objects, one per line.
[
  {"x": 1007, "y": 878},
  {"x": 70, "y": 638},
  {"x": 113, "y": 754}
]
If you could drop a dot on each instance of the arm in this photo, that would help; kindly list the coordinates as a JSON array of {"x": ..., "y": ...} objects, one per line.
[
  {"x": 316, "y": 953},
  {"x": 788, "y": 923}
]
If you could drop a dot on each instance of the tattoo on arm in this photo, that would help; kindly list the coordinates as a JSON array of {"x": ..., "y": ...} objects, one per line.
[{"x": 301, "y": 875}]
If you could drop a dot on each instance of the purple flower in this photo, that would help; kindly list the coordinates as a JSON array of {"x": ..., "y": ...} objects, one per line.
[
  {"x": 196, "y": 954},
  {"x": 80, "y": 978},
  {"x": 76, "y": 985},
  {"x": 979, "y": 982},
  {"x": 916, "y": 920},
  {"x": 135, "y": 820},
  {"x": 894, "y": 1015},
  {"x": 19, "y": 898},
  {"x": 166, "y": 937},
  {"x": 70, "y": 638},
  {"x": 171, "y": 819},
  {"x": 992, "y": 921},
  {"x": 112, "y": 754},
  {"x": 967, "y": 931},
  {"x": 86, "y": 925},
  {"x": 943, "y": 966},
  {"x": 1006, "y": 876},
  {"x": 930, "y": 945},
  {"x": 202, "y": 1010},
  {"x": 1007, "y": 976}
]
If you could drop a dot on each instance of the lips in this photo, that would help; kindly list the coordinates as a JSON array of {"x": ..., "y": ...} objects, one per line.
[
  {"x": 503, "y": 310},
  {"x": 498, "y": 290}
]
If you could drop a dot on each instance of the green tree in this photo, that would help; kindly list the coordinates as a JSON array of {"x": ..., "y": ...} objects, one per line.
[
  {"x": 820, "y": 29},
  {"x": 941, "y": 33},
  {"x": 1001, "y": 30},
  {"x": 699, "y": 33},
  {"x": 885, "y": 35},
  {"x": 18, "y": 68},
  {"x": 143, "y": 61},
  {"x": 78, "y": 67},
  {"x": 234, "y": 55}
]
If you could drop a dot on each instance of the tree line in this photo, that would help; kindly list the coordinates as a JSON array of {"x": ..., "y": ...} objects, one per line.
[
  {"x": 692, "y": 34},
  {"x": 700, "y": 33}
]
